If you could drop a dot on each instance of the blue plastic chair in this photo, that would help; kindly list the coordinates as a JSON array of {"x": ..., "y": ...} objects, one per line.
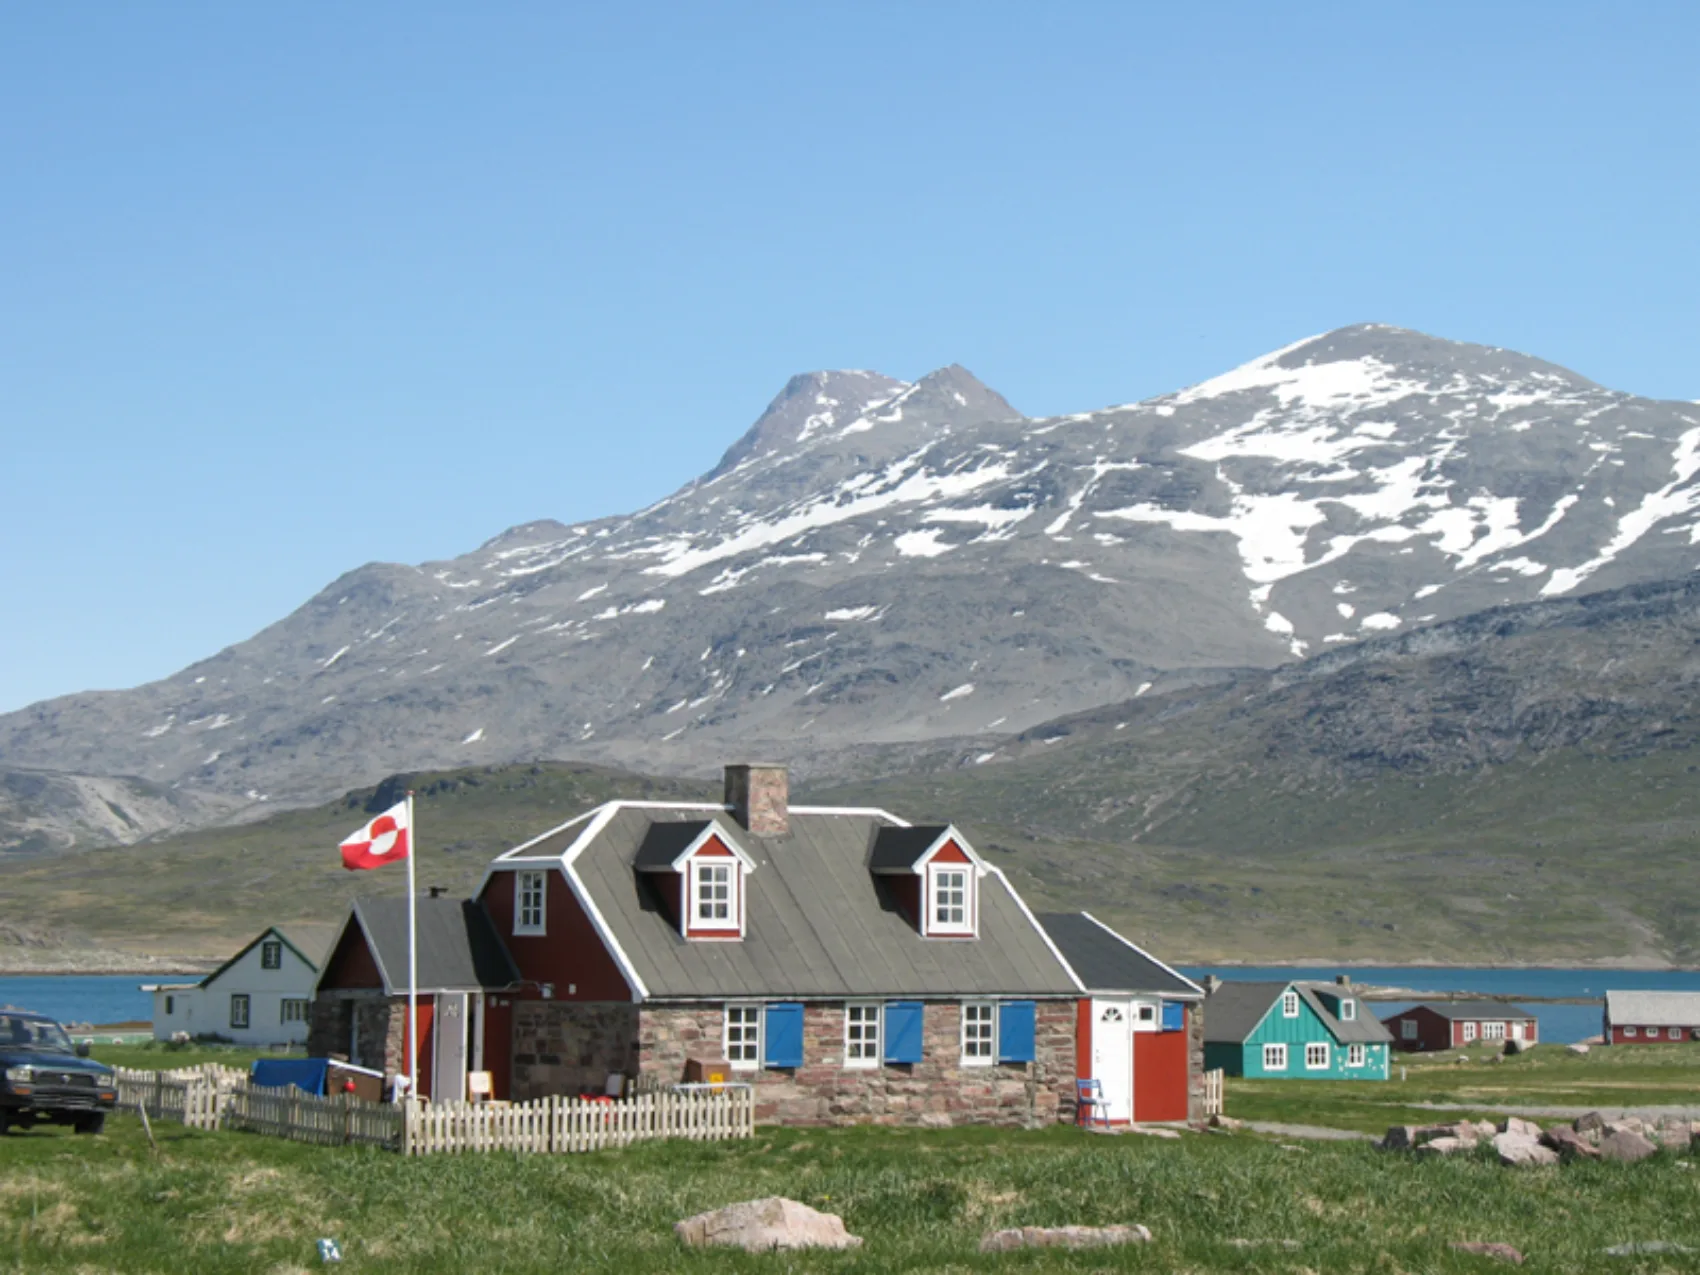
[{"x": 1089, "y": 1105}]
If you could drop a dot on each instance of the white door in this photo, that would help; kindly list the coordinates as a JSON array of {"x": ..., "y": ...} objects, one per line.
[
  {"x": 449, "y": 1076},
  {"x": 1112, "y": 1056}
]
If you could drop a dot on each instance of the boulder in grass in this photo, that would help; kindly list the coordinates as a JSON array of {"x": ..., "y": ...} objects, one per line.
[
  {"x": 1579, "y": 1049},
  {"x": 1517, "y": 1125},
  {"x": 1519, "y": 1150},
  {"x": 1673, "y": 1132},
  {"x": 1569, "y": 1144},
  {"x": 1591, "y": 1122},
  {"x": 1063, "y": 1237},
  {"x": 758, "y": 1226},
  {"x": 1625, "y": 1146},
  {"x": 1445, "y": 1146},
  {"x": 1498, "y": 1252},
  {"x": 1400, "y": 1137}
]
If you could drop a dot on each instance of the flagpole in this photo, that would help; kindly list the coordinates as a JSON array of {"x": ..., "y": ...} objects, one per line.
[{"x": 412, "y": 956}]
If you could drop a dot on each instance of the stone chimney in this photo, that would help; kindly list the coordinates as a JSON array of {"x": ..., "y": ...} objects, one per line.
[
  {"x": 1343, "y": 980},
  {"x": 759, "y": 796},
  {"x": 1211, "y": 983}
]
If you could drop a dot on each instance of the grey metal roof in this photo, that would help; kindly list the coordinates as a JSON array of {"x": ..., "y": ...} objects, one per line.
[
  {"x": 1469, "y": 1009},
  {"x": 665, "y": 842},
  {"x": 897, "y": 848},
  {"x": 1653, "y": 1009},
  {"x": 1235, "y": 1009},
  {"x": 459, "y": 949},
  {"x": 1106, "y": 962},
  {"x": 818, "y": 924}
]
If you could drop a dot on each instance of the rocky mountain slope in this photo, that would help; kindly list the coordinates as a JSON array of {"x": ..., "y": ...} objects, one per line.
[{"x": 883, "y": 563}]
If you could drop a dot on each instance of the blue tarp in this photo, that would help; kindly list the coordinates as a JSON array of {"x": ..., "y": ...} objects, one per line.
[{"x": 306, "y": 1074}]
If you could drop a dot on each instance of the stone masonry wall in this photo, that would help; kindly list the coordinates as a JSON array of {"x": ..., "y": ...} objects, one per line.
[
  {"x": 565, "y": 1048},
  {"x": 1195, "y": 1064},
  {"x": 937, "y": 1091},
  {"x": 382, "y": 1029}
]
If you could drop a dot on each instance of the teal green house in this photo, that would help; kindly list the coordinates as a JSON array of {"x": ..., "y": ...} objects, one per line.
[{"x": 1293, "y": 1031}]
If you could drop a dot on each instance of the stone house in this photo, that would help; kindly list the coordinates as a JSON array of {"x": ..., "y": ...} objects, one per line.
[{"x": 848, "y": 965}]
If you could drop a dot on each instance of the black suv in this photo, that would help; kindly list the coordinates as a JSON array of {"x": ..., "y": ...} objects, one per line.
[{"x": 44, "y": 1077}]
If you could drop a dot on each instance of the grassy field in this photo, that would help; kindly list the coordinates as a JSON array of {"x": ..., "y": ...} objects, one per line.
[
  {"x": 157, "y": 1056},
  {"x": 1547, "y": 1076},
  {"x": 239, "y": 1203}
]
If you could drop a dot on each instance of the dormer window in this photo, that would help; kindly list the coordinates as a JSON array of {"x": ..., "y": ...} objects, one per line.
[
  {"x": 1289, "y": 1004},
  {"x": 949, "y": 910},
  {"x": 933, "y": 876},
  {"x": 528, "y": 903},
  {"x": 697, "y": 869},
  {"x": 713, "y": 906},
  {"x": 1348, "y": 1010}
]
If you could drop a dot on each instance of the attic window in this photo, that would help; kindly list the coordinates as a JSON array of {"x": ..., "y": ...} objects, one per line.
[
  {"x": 714, "y": 896},
  {"x": 271, "y": 955},
  {"x": 529, "y": 903},
  {"x": 949, "y": 900},
  {"x": 1348, "y": 1010},
  {"x": 1289, "y": 1004}
]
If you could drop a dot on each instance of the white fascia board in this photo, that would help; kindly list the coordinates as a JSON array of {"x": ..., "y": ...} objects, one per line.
[
  {"x": 605, "y": 932},
  {"x": 1034, "y": 922},
  {"x": 952, "y": 833},
  {"x": 714, "y": 830},
  {"x": 864, "y": 812},
  {"x": 1162, "y": 965}
]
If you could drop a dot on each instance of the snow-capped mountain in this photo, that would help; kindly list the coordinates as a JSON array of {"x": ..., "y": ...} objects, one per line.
[{"x": 883, "y": 561}]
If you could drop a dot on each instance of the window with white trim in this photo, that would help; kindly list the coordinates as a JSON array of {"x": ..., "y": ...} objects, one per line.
[
  {"x": 1274, "y": 1058},
  {"x": 1630, "y": 1031},
  {"x": 1408, "y": 1029},
  {"x": 292, "y": 1010},
  {"x": 979, "y": 1034},
  {"x": 1675, "y": 1033},
  {"x": 239, "y": 1004},
  {"x": 528, "y": 907},
  {"x": 1316, "y": 1055},
  {"x": 1493, "y": 1031},
  {"x": 1289, "y": 1004},
  {"x": 1348, "y": 1010},
  {"x": 1355, "y": 1055},
  {"x": 713, "y": 906},
  {"x": 743, "y": 1036},
  {"x": 271, "y": 955},
  {"x": 950, "y": 910},
  {"x": 862, "y": 1035},
  {"x": 1469, "y": 1032}
]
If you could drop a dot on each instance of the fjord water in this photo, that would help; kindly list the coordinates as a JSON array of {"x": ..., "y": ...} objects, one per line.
[
  {"x": 1559, "y": 1024},
  {"x": 86, "y": 998}
]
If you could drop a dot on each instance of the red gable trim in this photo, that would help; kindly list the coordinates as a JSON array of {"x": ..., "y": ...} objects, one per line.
[
  {"x": 949, "y": 852},
  {"x": 713, "y": 848}
]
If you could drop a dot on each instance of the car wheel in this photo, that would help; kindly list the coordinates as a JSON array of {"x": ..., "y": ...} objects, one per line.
[
  {"x": 5, "y": 1122},
  {"x": 91, "y": 1124}
]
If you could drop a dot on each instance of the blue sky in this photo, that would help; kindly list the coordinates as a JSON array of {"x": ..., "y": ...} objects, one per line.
[{"x": 292, "y": 288}]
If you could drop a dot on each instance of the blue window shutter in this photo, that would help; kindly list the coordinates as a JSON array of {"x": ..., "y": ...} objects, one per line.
[
  {"x": 782, "y": 1035},
  {"x": 1015, "y": 1031},
  {"x": 1174, "y": 1016},
  {"x": 903, "y": 1021}
]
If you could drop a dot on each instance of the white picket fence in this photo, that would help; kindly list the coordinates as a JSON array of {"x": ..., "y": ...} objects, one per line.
[
  {"x": 1213, "y": 1092},
  {"x": 214, "y": 1098},
  {"x": 559, "y": 1124}
]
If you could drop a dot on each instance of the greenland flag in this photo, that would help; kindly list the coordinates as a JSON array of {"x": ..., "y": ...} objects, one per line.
[{"x": 384, "y": 840}]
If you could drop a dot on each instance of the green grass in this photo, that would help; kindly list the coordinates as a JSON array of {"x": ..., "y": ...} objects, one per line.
[
  {"x": 224, "y": 1202},
  {"x": 158, "y": 1056},
  {"x": 1547, "y": 1076}
]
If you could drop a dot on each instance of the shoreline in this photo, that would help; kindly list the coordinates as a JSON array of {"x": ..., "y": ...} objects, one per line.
[
  {"x": 107, "y": 972},
  {"x": 1600, "y": 966}
]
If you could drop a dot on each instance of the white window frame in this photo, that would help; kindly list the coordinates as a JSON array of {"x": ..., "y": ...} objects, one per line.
[
  {"x": 981, "y": 1014},
  {"x": 864, "y": 1034},
  {"x": 744, "y": 1054},
  {"x": 1356, "y": 1056},
  {"x": 936, "y": 874},
  {"x": 527, "y": 919},
  {"x": 1311, "y": 1050},
  {"x": 1274, "y": 1058},
  {"x": 271, "y": 955},
  {"x": 1408, "y": 1029},
  {"x": 1289, "y": 1004},
  {"x": 1348, "y": 1009},
  {"x": 241, "y": 1001},
  {"x": 1469, "y": 1032},
  {"x": 1493, "y": 1031},
  {"x": 1629, "y": 1032},
  {"x": 293, "y": 1009},
  {"x": 1674, "y": 1033},
  {"x": 731, "y": 923}
]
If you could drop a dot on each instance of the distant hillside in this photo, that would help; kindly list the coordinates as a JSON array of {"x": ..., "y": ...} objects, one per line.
[{"x": 1519, "y": 785}]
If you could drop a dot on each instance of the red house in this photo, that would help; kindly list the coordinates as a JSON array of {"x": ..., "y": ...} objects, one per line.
[
  {"x": 1647, "y": 1018},
  {"x": 1456, "y": 1024}
]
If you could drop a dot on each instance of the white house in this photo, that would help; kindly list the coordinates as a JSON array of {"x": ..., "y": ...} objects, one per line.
[{"x": 258, "y": 997}]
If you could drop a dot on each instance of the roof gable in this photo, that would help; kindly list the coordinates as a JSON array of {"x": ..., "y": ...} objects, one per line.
[
  {"x": 270, "y": 932},
  {"x": 458, "y": 947},
  {"x": 1106, "y": 961},
  {"x": 901, "y": 849},
  {"x": 667, "y": 846}
]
